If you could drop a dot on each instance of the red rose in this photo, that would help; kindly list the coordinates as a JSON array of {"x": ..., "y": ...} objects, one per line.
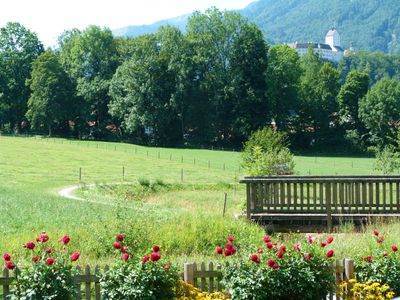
[
  {"x": 369, "y": 259},
  {"x": 43, "y": 238},
  {"x": 329, "y": 239},
  {"x": 394, "y": 248},
  {"x": 310, "y": 240},
  {"x": 75, "y": 256},
  {"x": 36, "y": 258},
  {"x": 280, "y": 254},
  {"x": 156, "y": 248},
  {"x": 155, "y": 257},
  {"x": 231, "y": 238},
  {"x": 117, "y": 245},
  {"x": 269, "y": 245},
  {"x": 65, "y": 239},
  {"x": 233, "y": 250},
  {"x": 120, "y": 237},
  {"x": 267, "y": 239},
  {"x": 330, "y": 253},
  {"x": 124, "y": 249},
  {"x": 270, "y": 263},
  {"x": 10, "y": 265},
  {"x": 282, "y": 248},
  {"x": 255, "y": 258},
  {"x": 30, "y": 245},
  {"x": 7, "y": 257},
  {"x": 259, "y": 250},
  {"x": 229, "y": 246},
  {"x": 227, "y": 252},
  {"x": 125, "y": 256},
  {"x": 219, "y": 250},
  {"x": 275, "y": 266},
  {"x": 145, "y": 258},
  {"x": 49, "y": 261},
  {"x": 376, "y": 232},
  {"x": 307, "y": 256},
  {"x": 323, "y": 244},
  {"x": 49, "y": 250}
]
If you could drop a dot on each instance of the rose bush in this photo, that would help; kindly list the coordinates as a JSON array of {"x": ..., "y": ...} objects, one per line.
[
  {"x": 277, "y": 272},
  {"x": 382, "y": 267},
  {"x": 51, "y": 273},
  {"x": 144, "y": 277}
]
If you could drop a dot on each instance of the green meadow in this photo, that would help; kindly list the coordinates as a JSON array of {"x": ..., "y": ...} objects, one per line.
[{"x": 170, "y": 197}]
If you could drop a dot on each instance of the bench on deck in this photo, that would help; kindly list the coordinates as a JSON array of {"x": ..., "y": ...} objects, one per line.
[{"x": 323, "y": 200}]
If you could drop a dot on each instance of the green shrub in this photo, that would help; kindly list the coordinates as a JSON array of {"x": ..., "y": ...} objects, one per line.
[
  {"x": 277, "y": 274},
  {"x": 387, "y": 160},
  {"x": 139, "y": 278},
  {"x": 267, "y": 153}
]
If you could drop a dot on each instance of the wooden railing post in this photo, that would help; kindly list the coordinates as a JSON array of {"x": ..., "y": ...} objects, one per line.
[
  {"x": 328, "y": 205},
  {"x": 248, "y": 204},
  {"x": 348, "y": 269},
  {"x": 6, "y": 287},
  {"x": 188, "y": 273}
]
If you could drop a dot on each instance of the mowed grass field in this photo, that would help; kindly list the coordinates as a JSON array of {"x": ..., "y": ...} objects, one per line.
[{"x": 184, "y": 217}]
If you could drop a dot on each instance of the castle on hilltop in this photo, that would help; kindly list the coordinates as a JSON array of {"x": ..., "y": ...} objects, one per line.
[{"x": 331, "y": 50}]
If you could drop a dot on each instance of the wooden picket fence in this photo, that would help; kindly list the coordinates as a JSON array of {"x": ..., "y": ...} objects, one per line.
[{"x": 206, "y": 277}]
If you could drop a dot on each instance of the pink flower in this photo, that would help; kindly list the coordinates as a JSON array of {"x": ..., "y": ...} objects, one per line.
[
  {"x": 155, "y": 257},
  {"x": 260, "y": 250},
  {"x": 275, "y": 266},
  {"x": 329, "y": 253},
  {"x": 310, "y": 239},
  {"x": 219, "y": 250},
  {"x": 145, "y": 258},
  {"x": 30, "y": 245},
  {"x": 167, "y": 266},
  {"x": 394, "y": 248},
  {"x": 329, "y": 239},
  {"x": 65, "y": 239},
  {"x": 307, "y": 256},
  {"x": 270, "y": 263},
  {"x": 376, "y": 232},
  {"x": 49, "y": 261},
  {"x": 120, "y": 237},
  {"x": 269, "y": 245},
  {"x": 156, "y": 248},
  {"x": 125, "y": 256},
  {"x": 43, "y": 238},
  {"x": 297, "y": 247},
  {"x": 124, "y": 249},
  {"x": 369, "y": 258},
  {"x": 231, "y": 238},
  {"x": 267, "y": 239},
  {"x": 75, "y": 256},
  {"x": 36, "y": 258},
  {"x": 117, "y": 245},
  {"x": 7, "y": 257},
  {"x": 10, "y": 265},
  {"x": 282, "y": 248},
  {"x": 255, "y": 258},
  {"x": 323, "y": 244},
  {"x": 49, "y": 250}
]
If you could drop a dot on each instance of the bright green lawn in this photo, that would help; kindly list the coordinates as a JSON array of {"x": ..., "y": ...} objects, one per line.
[{"x": 185, "y": 221}]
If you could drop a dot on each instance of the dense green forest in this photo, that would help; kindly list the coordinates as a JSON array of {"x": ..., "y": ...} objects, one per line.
[
  {"x": 372, "y": 25},
  {"x": 213, "y": 84}
]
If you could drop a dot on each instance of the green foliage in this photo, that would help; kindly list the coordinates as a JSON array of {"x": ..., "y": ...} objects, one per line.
[
  {"x": 379, "y": 110},
  {"x": 387, "y": 160},
  {"x": 135, "y": 280},
  {"x": 295, "y": 277},
  {"x": 266, "y": 153},
  {"x": 52, "y": 93}
]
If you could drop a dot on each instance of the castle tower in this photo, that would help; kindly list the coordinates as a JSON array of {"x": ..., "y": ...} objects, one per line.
[{"x": 332, "y": 38}]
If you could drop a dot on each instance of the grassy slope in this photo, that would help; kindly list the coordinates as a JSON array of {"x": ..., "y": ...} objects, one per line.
[{"x": 184, "y": 222}]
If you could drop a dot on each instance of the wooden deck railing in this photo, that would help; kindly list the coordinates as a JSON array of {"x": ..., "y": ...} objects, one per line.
[
  {"x": 206, "y": 277},
  {"x": 341, "y": 195}
]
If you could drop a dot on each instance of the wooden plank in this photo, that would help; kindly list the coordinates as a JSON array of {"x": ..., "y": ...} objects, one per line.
[
  {"x": 6, "y": 287},
  {"x": 335, "y": 202},
  {"x": 87, "y": 284},
  {"x": 282, "y": 194},
  {"x": 371, "y": 195},
  {"x": 211, "y": 281},
  {"x": 321, "y": 196},
  {"x": 289, "y": 193},
  {"x": 248, "y": 201},
  {"x": 384, "y": 203},
  {"x": 295, "y": 196},
  {"x": 364, "y": 196},
  {"x": 377, "y": 193},
  {"x": 266, "y": 198},
  {"x": 276, "y": 199},
  {"x": 308, "y": 195},
  {"x": 357, "y": 196},
  {"x": 97, "y": 294},
  {"x": 301, "y": 196},
  {"x": 328, "y": 205},
  {"x": 315, "y": 195},
  {"x": 398, "y": 196},
  {"x": 203, "y": 278},
  {"x": 188, "y": 273},
  {"x": 218, "y": 279},
  {"x": 391, "y": 196},
  {"x": 341, "y": 196},
  {"x": 78, "y": 284}
]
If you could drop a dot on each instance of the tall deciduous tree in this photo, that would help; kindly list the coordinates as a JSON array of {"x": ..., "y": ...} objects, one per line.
[
  {"x": 52, "y": 93},
  {"x": 91, "y": 59},
  {"x": 380, "y": 111},
  {"x": 283, "y": 79},
  {"x": 18, "y": 49},
  {"x": 230, "y": 58}
]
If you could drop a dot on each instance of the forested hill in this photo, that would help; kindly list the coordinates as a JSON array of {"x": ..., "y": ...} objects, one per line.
[{"x": 372, "y": 25}]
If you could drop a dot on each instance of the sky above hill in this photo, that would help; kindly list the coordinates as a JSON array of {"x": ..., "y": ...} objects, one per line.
[{"x": 49, "y": 18}]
